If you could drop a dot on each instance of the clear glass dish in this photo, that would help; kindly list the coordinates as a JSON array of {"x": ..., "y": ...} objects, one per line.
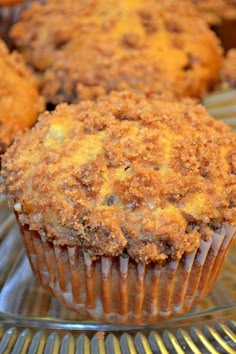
[{"x": 31, "y": 321}]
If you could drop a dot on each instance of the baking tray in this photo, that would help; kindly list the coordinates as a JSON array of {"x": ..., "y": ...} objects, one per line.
[{"x": 31, "y": 321}]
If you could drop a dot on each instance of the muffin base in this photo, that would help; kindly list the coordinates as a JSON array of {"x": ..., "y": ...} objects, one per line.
[{"x": 119, "y": 290}]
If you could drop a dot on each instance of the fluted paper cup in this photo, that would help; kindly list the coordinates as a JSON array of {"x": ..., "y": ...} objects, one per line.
[
  {"x": 119, "y": 290},
  {"x": 10, "y": 14}
]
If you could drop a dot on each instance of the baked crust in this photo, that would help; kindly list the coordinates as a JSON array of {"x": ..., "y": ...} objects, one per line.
[
  {"x": 85, "y": 49},
  {"x": 20, "y": 102},
  {"x": 228, "y": 73},
  {"x": 124, "y": 174}
]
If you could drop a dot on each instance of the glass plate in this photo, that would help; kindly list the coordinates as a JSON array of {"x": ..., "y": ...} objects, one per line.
[{"x": 31, "y": 321}]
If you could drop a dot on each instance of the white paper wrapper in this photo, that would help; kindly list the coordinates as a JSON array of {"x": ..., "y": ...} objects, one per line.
[{"x": 118, "y": 290}]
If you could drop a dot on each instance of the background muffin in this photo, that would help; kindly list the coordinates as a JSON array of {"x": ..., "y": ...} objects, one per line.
[
  {"x": 85, "y": 49},
  {"x": 20, "y": 102},
  {"x": 126, "y": 206}
]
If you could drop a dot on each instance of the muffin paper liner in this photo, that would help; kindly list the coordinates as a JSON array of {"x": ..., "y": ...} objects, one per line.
[
  {"x": 11, "y": 14},
  {"x": 119, "y": 290},
  {"x": 8, "y": 16}
]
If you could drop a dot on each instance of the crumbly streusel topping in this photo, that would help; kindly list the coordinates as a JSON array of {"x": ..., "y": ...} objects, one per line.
[{"x": 85, "y": 49}]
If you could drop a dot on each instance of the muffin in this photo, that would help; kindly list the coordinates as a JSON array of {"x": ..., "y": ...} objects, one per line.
[
  {"x": 20, "y": 102},
  {"x": 126, "y": 205},
  {"x": 228, "y": 73},
  {"x": 85, "y": 49}
]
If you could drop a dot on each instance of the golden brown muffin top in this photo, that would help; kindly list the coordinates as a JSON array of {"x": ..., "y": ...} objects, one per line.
[
  {"x": 228, "y": 72},
  {"x": 123, "y": 174},
  {"x": 20, "y": 102},
  {"x": 84, "y": 49}
]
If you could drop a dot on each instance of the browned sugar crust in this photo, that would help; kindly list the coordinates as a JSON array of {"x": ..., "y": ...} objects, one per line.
[
  {"x": 85, "y": 49},
  {"x": 228, "y": 72},
  {"x": 124, "y": 174},
  {"x": 20, "y": 102}
]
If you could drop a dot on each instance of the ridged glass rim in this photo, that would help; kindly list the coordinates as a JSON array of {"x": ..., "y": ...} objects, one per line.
[{"x": 222, "y": 312}]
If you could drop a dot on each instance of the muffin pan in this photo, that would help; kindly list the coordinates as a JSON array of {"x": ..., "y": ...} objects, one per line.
[{"x": 33, "y": 321}]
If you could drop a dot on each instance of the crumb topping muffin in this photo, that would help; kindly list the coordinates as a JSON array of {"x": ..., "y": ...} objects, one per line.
[
  {"x": 228, "y": 72},
  {"x": 20, "y": 102},
  {"x": 124, "y": 175},
  {"x": 85, "y": 49}
]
